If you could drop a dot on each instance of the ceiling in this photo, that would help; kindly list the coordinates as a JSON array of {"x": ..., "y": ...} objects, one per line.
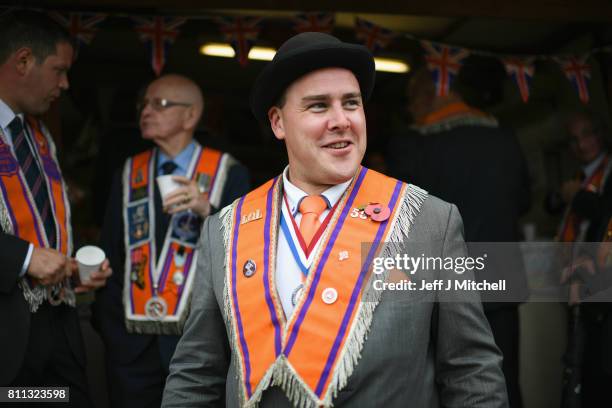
[{"x": 517, "y": 26}]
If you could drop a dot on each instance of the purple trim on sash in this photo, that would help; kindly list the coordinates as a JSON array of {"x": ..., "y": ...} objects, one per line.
[
  {"x": 151, "y": 268},
  {"x": 266, "y": 274},
  {"x": 10, "y": 211},
  {"x": 182, "y": 287},
  {"x": 36, "y": 226},
  {"x": 162, "y": 279},
  {"x": 324, "y": 257},
  {"x": 245, "y": 350},
  {"x": 354, "y": 296},
  {"x": 58, "y": 238},
  {"x": 131, "y": 285}
]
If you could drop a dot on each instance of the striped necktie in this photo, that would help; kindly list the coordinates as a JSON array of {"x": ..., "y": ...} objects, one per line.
[{"x": 34, "y": 178}]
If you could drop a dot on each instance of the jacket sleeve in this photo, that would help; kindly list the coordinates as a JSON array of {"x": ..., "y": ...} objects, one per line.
[
  {"x": 13, "y": 252},
  {"x": 468, "y": 363},
  {"x": 198, "y": 370}
]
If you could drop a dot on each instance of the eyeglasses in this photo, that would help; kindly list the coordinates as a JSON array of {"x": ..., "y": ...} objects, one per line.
[{"x": 159, "y": 104}]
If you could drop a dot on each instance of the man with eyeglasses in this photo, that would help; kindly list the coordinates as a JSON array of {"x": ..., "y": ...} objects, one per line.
[{"x": 151, "y": 240}]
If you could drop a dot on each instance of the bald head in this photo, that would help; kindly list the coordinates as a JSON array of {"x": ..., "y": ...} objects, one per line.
[
  {"x": 181, "y": 89},
  {"x": 171, "y": 109}
]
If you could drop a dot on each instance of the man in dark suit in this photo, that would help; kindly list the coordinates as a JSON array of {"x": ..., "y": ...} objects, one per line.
[
  {"x": 461, "y": 155},
  {"x": 40, "y": 336},
  {"x": 155, "y": 279}
]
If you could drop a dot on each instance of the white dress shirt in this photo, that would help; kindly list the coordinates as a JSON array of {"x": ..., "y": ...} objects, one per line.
[{"x": 289, "y": 275}]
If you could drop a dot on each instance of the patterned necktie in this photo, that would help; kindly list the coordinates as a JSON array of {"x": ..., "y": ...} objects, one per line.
[
  {"x": 311, "y": 207},
  {"x": 34, "y": 178},
  {"x": 168, "y": 167}
]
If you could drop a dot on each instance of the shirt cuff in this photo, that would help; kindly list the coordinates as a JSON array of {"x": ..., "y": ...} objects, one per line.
[{"x": 26, "y": 263}]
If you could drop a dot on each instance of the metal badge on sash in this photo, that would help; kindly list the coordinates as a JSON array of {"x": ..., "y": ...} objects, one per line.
[
  {"x": 179, "y": 260},
  {"x": 156, "y": 308},
  {"x": 186, "y": 226},
  {"x": 139, "y": 263},
  {"x": 139, "y": 222}
]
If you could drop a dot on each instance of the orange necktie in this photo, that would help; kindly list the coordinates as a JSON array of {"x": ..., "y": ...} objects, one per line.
[{"x": 311, "y": 208}]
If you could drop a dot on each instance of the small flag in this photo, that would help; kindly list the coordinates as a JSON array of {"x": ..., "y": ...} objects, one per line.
[
  {"x": 81, "y": 26},
  {"x": 444, "y": 63},
  {"x": 374, "y": 37},
  {"x": 521, "y": 71},
  {"x": 158, "y": 33},
  {"x": 319, "y": 22},
  {"x": 578, "y": 72},
  {"x": 241, "y": 32}
]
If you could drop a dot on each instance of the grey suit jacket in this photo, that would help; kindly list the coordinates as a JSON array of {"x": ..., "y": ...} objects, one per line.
[{"x": 422, "y": 350}]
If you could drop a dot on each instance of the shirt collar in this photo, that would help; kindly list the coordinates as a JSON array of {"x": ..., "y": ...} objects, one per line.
[
  {"x": 182, "y": 160},
  {"x": 590, "y": 168},
  {"x": 294, "y": 194},
  {"x": 6, "y": 117}
]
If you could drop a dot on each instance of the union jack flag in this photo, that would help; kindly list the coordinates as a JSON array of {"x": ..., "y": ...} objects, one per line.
[
  {"x": 521, "y": 71},
  {"x": 578, "y": 72},
  {"x": 319, "y": 22},
  {"x": 241, "y": 32},
  {"x": 82, "y": 26},
  {"x": 444, "y": 63},
  {"x": 158, "y": 33},
  {"x": 374, "y": 37}
]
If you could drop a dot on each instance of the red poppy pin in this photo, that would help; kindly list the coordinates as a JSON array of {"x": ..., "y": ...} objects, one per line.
[{"x": 378, "y": 212}]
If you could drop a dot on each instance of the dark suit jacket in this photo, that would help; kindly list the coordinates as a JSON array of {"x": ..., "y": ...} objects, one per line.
[
  {"x": 483, "y": 172},
  {"x": 108, "y": 314},
  {"x": 15, "y": 312}
]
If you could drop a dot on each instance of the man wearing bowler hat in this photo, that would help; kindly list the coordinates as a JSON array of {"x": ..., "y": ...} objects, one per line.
[{"x": 285, "y": 313}]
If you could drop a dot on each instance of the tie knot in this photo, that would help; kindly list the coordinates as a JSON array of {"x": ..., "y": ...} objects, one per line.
[
  {"x": 168, "y": 167},
  {"x": 16, "y": 127},
  {"x": 313, "y": 204}
]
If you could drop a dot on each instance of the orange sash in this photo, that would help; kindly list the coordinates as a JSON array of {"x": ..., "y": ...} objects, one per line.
[
  {"x": 17, "y": 200},
  {"x": 306, "y": 354},
  {"x": 157, "y": 291},
  {"x": 570, "y": 227},
  {"x": 19, "y": 214}
]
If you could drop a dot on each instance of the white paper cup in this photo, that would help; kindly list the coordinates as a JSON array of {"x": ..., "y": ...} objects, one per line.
[
  {"x": 166, "y": 185},
  {"x": 90, "y": 259}
]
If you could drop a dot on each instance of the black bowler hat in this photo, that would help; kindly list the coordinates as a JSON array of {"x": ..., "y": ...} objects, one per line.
[{"x": 304, "y": 53}]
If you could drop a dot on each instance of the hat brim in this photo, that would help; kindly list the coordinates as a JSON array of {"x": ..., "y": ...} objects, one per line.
[{"x": 279, "y": 74}]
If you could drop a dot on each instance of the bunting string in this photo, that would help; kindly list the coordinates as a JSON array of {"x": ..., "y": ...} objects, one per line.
[{"x": 443, "y": 60}]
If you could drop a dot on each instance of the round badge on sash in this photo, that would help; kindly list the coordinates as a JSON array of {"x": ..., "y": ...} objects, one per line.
[
  {"x": 156, "y": 308},
  {"x": 178, "y": 278},
  {"x": 249, "y": 268}
]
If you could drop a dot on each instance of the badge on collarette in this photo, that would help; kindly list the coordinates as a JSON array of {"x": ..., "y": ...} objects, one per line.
[
  {"x": 139, "y": 222},
  {"x": 139, "y": 193},
  {"x": 186, "y": 227},
  {"x": 252, "y": 216},
  {"x": 139, "y": 263}
]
